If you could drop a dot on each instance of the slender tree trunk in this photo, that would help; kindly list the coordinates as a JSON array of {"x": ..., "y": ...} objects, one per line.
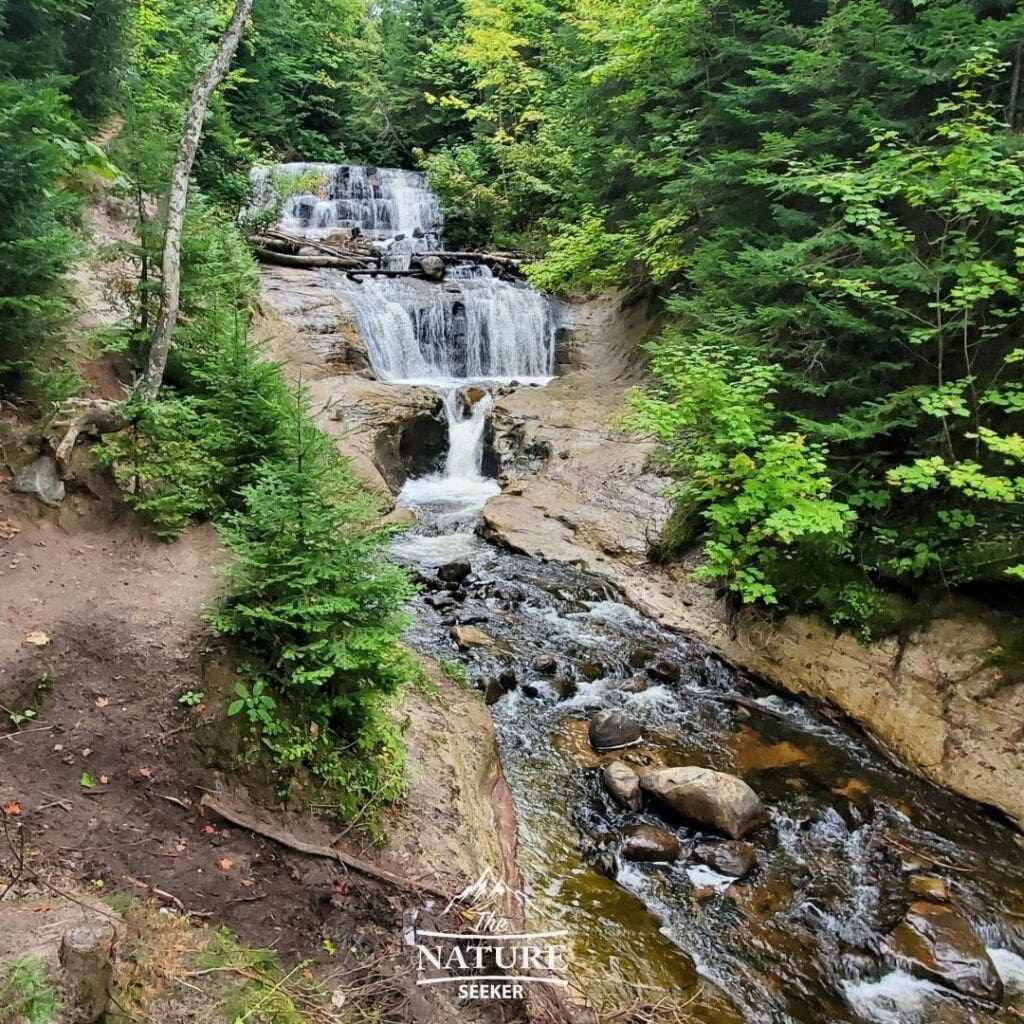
[
  {"x": 170, "y": 284},
  {"x": 106, "y": 417},
  {"x": 1011, "y": 107}
]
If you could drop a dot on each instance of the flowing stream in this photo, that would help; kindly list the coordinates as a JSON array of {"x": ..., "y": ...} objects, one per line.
[{"x": 802, "y": 938}]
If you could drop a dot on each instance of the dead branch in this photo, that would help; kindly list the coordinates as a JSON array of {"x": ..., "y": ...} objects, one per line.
[
  {"x": 285, "y": 259},
  {"x": 283, "y": 838}
]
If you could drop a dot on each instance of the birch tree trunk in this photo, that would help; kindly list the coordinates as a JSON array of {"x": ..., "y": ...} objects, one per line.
[{"x": 105, "y": 417}]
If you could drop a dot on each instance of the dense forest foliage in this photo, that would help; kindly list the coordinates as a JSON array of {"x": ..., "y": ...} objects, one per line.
[{"x": 822, "y": 199}]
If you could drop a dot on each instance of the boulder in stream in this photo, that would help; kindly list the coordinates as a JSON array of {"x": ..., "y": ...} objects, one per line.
[
  {"x": 622, "y": 783},
  {"x": 665, "y": 670},
  {"x": 649, "y": 843},
  {"x": 720, "y": 801},
  {"x": 470, "y": 636},
  {"x": 454, "y": 572},
  {"x": 545, "y": 664},
  {"x": 491, "y": 689},
  {"x": 730, "y": 857},
  {"x": 935, "y": 942},
  {"x": 612, "y": 729},
  {"x": 432, "y": 267}
]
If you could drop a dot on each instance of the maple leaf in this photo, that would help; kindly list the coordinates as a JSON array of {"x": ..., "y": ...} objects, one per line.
[
  {"x": 37, "y": 637},
  {"x": 225, "y": 864},
  {"x": 13, "y": 808},
  {"x": 102, "y": 702},
  {"x": 146, "y": 773}
]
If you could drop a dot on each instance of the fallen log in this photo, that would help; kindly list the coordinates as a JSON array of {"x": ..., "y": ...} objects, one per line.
[
  {"x": 509, "y": 259},
  {"x": 378, "y": 272},
  {"x": 309, "y": 262},
  {"x": 327, "y": 248},
  {"x": 281, "y": 836}
]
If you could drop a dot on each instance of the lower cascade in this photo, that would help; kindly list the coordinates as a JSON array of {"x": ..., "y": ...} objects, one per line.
[{"x": 803, "y": 878}]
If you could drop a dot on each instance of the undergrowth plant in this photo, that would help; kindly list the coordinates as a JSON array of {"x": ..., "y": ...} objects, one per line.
[
  {"x": 26, "y": 997},
  {"x": 314, "y": 602}
]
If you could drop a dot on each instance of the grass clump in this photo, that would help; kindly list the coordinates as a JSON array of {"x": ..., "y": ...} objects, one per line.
[{"x": 26, "y": 997}]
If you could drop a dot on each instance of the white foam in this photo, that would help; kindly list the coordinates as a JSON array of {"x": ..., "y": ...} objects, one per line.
[
  {"x": 1010, "y": 967},
  {"x": 896, "y": 998},
  {"x": 701, "y": 875}
]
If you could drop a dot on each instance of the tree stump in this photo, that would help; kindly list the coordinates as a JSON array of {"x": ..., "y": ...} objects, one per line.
[{"x": 87, "y": 963}]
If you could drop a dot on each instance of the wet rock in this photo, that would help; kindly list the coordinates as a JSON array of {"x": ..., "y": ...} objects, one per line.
[
  {"x": 439, "y": 601},
  {"x": 612, "y": 729},
  {"x": 470, "y": 636},
  {"x": 433, "y": 268},
  {"x": 469, "y": 398},
  {"x": 639, "y": 657},
  {"x": 491, "y": 689},
  {"x": 545, "y": 664},
  {"x": 563, "y": 687},
  {"x": 637, "y": 684},
  {"x": 399, "y": 516},
  {"x": 470, "y": 619},
  {"x": 733, "y": 857},
  {"x": 935, "y": 942},
  {"x": 454, "y": 572},
  {"x": 40, "y": 479},
  {"x": 649, "y": 843},
  {"x": 929, "y": 887},
  {"x": 508, "y": 679},
  {"x": 664, "y": 670},
  {"x": 720, "y": 801},
  {"x": 591, "y": 670},
  {"x": 622, "y": 783}
]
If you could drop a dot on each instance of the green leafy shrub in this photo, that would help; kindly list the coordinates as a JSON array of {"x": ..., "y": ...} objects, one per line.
[
  {"x": 25, "y": 995},
  {"x": 759, "y": 496},
  {"x": 319, "y": 610}
]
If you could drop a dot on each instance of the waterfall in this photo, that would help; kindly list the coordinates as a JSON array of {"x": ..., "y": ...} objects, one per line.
[{"x": 470, "y": 328}]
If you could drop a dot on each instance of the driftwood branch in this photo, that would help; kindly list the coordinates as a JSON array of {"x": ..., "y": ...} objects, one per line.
[{"x": 284, "y": 838}]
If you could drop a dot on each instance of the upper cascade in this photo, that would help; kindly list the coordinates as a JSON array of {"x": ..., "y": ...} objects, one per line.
[
  {"x": 381, "y": 202},
  {"x": 473, "y": 327}
]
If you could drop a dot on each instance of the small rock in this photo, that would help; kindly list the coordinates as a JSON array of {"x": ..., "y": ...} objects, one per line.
[
  {"x": 936, "y": 943},
  {"x": 648, "y": 843},
  {"x": 732, "y": 857},
  {"x": 930, "y": 888},
  {"x": 716, "y": 799},
  {"x": 508, "y": 679},
  {"x": 470, "y": 636},
  {"x": 637, "y": 684},
  {"x": 439, "y": 601},
  {"x": 665, "y": 670},
  {"x": 545, "y": 664},
  {"x": 622, "y": 783},
  {"x": 491, "y": 689},
  {"x": 563, "y": 687},
  {"x": 591, "y": 670},
  {"x": 639, "y": 657},
  {"x": 612, "y": 729},
  {"x": 399, "y": 516},
  {"x": 454, "y": 572},
  {"x": 469, "y": 398},
  {"x": 40, "y": 479}
]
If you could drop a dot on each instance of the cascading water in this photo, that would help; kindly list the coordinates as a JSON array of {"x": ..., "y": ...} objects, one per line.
[{"x": 472, "y": 329}]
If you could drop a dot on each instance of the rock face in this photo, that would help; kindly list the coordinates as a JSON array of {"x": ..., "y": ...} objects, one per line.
[
  {"x": 936, "y": 943},
  {"x": 729, "y": 858},
  {"x": 40, "y": 479},
  {"x": 622, "y": 783},
  {"x": 648, "y": 843},
  {"x": 470, "y": 636},
  {"x": 720, "y": 801},
  {"x": 610, "y": 730}
]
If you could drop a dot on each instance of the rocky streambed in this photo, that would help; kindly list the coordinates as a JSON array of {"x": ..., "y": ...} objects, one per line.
[{"x": 700, "y": 834}]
